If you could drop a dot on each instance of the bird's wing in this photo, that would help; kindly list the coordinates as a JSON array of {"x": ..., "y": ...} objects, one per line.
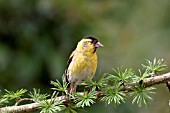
[{"x": 69, "y": 61}]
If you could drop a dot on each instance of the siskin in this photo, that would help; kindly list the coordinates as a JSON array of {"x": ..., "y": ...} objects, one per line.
[{"x": 82, "y": 62}]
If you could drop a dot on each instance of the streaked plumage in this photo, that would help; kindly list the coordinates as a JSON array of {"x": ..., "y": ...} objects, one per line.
[{"x": 82, "y": 62}]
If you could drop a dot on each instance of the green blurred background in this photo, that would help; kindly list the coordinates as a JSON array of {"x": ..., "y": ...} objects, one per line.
[{"x": 37, "y": 37}]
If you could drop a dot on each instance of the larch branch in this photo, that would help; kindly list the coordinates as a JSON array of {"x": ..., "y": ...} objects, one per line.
[{"x": 128, "y": 87}]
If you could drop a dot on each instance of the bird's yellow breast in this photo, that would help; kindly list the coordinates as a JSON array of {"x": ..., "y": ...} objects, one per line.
[{"x": 82, "y": 67}]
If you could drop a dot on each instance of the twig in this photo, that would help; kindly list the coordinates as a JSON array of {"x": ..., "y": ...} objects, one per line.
[
  {"x": 23, "y": 99},
  {"x": 128, "y": 87}
]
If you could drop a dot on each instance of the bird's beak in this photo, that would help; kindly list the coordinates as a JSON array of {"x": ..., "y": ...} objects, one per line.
[{"x": 98, "y": 44}]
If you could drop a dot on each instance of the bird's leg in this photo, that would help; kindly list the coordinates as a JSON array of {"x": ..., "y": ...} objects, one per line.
[
  {"x": 89, "y": 89},
  {"x": 75, "y": 87},
  {"x": 72, "y": 87}
]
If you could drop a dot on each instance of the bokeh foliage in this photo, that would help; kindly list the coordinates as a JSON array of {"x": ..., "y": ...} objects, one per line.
[{"x": 37, "y": 36}]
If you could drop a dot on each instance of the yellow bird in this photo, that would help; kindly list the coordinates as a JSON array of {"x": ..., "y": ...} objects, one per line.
[{"x": 82, "y": 62}]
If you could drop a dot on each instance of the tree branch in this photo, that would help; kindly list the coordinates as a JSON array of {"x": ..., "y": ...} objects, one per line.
[
  {"x": 23, "y": 99},
  {"x": 149, "y": 81},
  {"x": 128, "y": 87}
]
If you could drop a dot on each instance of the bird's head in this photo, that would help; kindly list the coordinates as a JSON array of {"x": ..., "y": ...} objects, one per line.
[{"x": 89, "y": 44}]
